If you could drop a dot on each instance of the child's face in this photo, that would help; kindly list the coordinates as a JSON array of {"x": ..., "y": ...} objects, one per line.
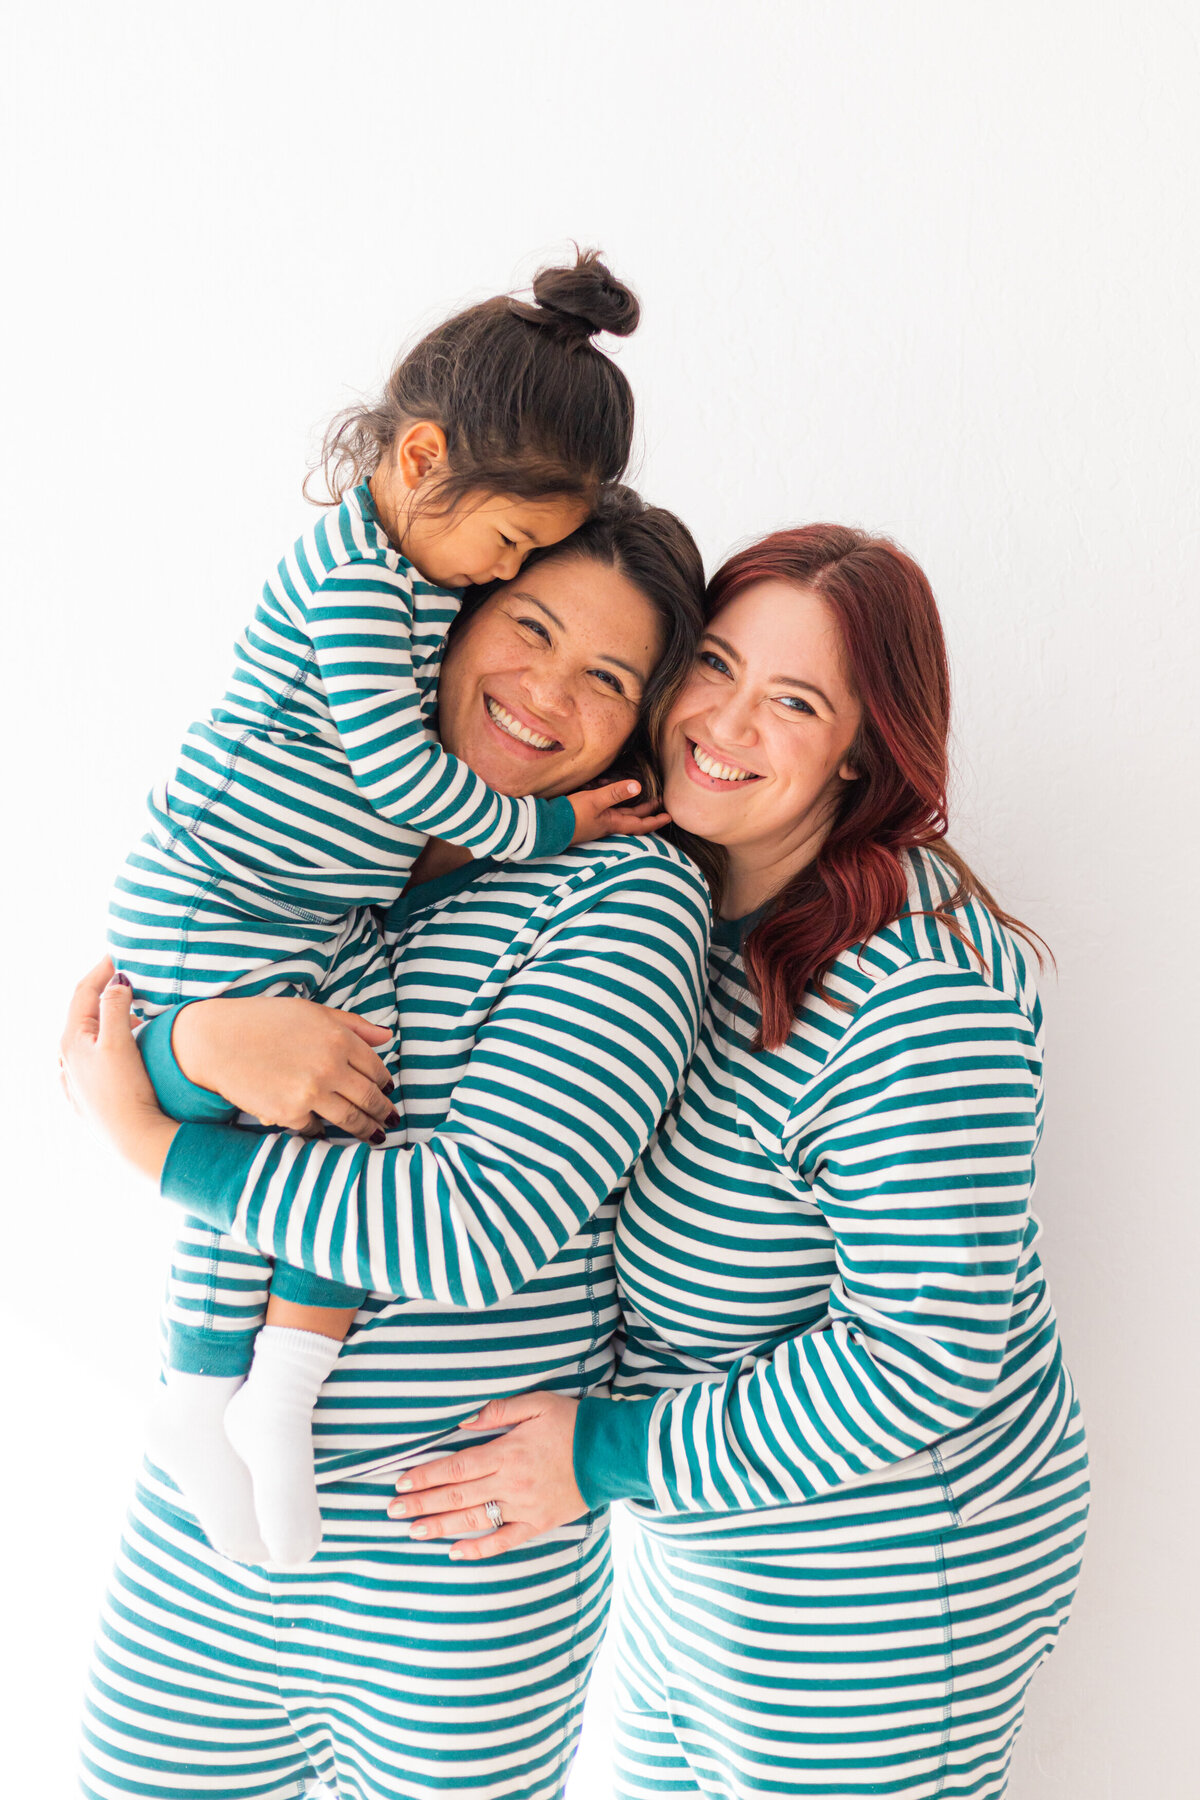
[
  {"x": 478, "y": 542},
  {"x": 540, "y": 690}
]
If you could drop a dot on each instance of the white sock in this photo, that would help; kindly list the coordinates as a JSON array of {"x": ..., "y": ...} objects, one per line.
[
  {"x": 270, "y": 1425},
  {"x": 187, "y": 1438}
]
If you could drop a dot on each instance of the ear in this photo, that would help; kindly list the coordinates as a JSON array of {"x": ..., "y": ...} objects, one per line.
[
  {"x": 418, "y": 451},
  {"x": 847, "y": 771}
]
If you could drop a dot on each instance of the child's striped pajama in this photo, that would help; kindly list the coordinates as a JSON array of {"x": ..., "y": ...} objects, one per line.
[{"x": 308, "y": 792}]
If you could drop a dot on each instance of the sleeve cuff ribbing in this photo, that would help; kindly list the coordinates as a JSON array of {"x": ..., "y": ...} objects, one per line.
[
  {"x": 612, "y": 1450},
  {"x": 178, "y": 1097},
  {"x": 207, "y": 1168},
  {"x": 555, "y": 826}
]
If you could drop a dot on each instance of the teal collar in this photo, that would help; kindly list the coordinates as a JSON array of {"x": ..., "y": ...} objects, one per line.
[{"x": 731, "y": 934}]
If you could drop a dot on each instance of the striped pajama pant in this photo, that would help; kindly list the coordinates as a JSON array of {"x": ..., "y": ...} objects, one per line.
[
  {"x": 899, "y": 1668},
  {"x": 382, "y": 1668},
  {"x": 181, "y": 931}
]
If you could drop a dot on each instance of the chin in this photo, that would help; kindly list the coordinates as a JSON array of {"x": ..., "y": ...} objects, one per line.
[{"x": 690, "y": 810}]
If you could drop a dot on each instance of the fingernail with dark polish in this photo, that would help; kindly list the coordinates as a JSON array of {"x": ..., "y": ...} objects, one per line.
[
  {"x": 393, "y": 1117},
  {"x": 377, "y": 1137},
  {"x": 120, "y": 979}
]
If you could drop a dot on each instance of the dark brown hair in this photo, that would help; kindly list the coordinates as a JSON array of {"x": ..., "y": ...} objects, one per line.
[
  {"x": 891, "y": 634},
  {"x": 530, "y": 407}
]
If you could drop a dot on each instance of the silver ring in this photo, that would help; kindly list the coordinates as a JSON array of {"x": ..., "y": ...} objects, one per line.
[{"x": 495, "y": 1517}]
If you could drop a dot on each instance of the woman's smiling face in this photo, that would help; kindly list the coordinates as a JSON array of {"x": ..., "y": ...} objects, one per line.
[
  {"x": 757, "y": 746},
  {"x": 540, "y": 688}
]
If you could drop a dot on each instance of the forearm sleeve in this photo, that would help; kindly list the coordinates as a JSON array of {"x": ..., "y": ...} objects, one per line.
[{"x": 567, "y": 1080}]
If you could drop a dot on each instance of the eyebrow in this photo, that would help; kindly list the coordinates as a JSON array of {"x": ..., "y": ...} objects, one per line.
[
  {"x": 603, "y": 655},
  {"x": 784, "y": 680}
]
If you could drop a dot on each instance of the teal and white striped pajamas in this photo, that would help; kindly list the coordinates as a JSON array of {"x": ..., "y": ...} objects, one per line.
[
  {"x": 381, "y": 1667},
  {"x": 308, "y": 792},
  {"x": 844, "y": 1418},
  {"x": 547, "y": 1012}
]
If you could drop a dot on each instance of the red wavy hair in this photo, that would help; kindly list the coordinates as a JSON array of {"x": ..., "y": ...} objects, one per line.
[{"x": 895, "y": 659}]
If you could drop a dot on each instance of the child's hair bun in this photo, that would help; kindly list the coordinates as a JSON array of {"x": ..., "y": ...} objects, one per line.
[
  {"x": 529, "y": 403},
  {"x": 576, "y": 303}
]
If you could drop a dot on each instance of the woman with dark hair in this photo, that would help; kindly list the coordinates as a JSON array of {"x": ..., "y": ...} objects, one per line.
[
  {"x": 841, "y": 1412},
  {"x": 536, "y": 1018}
]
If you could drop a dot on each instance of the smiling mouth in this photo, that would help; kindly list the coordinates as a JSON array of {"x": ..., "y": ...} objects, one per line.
[
  {"x": 719, "y": 771},
  {"x": 513, "y": 728}
]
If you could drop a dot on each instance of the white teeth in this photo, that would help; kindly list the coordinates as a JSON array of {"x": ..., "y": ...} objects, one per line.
[
  {"x": 500, "y": 716},
  {"x": 720, "y": 771}
]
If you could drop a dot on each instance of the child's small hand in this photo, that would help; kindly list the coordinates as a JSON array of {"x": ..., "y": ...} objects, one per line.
[{"x": 612, "y": 811}]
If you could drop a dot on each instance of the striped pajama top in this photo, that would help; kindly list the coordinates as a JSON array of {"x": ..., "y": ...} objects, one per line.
[
  {"x": 319, "y": 777},
  {"x": 545, "y": 1015},
  {"x": 837, "y": 1324}
]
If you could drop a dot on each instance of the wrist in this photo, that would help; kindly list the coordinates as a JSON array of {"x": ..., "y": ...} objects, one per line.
[
  {"x": 145, "y": 1141},
  {"x": 611, "y": 1449},
  {"x": 558, "y": 823}
]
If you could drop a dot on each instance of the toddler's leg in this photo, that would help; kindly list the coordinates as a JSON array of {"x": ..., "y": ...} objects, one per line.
[
  {"x": 181, "y": 932},
  {"x": 216, "y": 1299},
  {"x": 269, "y": 1421}
]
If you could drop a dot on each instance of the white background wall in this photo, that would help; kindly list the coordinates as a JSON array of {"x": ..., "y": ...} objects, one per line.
[{"x": 928, "y": 268}]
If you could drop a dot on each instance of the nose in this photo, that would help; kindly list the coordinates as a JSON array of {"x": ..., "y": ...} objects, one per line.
[
  {"x": 547, "y": 692},
  {"x": 730, "y": 720},
  {"x": 507, "y": 565}
]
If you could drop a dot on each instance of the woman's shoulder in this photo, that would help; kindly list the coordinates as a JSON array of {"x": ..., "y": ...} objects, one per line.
[
  {"x": 943, "y": 982},
  {"x": 648, "y": 864},
  {"x": 940, "y": 941},
  {"x": 621, "y": 887},
  {"x": 643, "y": 872}
]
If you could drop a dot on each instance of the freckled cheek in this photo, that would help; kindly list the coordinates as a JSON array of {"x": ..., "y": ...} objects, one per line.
[
  {"x": 603, "y": 730},
  {"x": 497, "y": 657}
]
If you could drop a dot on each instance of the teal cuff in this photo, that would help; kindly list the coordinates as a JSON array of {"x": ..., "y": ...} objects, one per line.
[
  {"x": 197, "y": 1350},
  {"x": 178, "y": 1097},
  {"x": 612, "y": 1450},
  {"x": 555, "y": 826},
  {"x": 303, "y": 1288},
  {"x": 207, "y": 1168}
]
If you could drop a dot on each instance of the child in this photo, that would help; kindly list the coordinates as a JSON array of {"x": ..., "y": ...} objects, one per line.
[{"x": 311, "y": 789}]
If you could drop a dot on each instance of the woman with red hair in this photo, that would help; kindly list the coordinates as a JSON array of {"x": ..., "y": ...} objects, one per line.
[{"x": 842, "y": 1415}]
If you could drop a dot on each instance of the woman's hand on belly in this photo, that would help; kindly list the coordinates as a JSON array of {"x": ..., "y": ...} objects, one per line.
[{"x": 528, "y": 1473}]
